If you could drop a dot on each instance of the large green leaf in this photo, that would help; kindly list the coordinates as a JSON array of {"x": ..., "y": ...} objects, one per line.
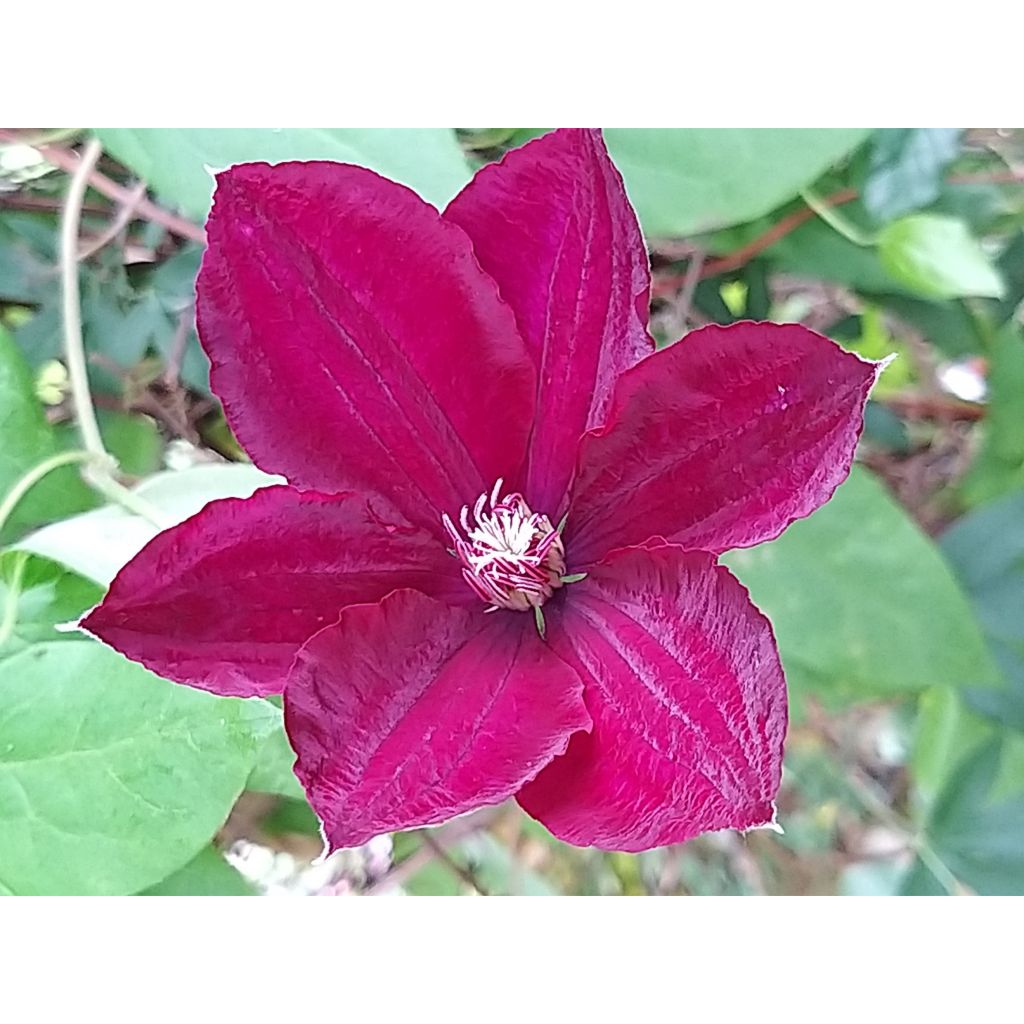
[
  {"x": 208, "y": 874},
  {"x": 686, "y": 181},
  {"x": 179, "y": 162},
  {"x": 862, "y": 603},
  {"x": 937, "y": 256},
  {"x": 110, "y": 778},
  {"x": 96, "y": 544}
]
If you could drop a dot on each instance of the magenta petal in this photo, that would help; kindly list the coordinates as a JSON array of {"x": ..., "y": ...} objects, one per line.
[
  {"x": 355, "y": 341},
  {"x": 552, "y": 225},
  {"x": 688, "y": 699},
  {"x": 720, "y": 441},
  {"x": 223, "y": 601},
  {"x": 408, "y": 712}
]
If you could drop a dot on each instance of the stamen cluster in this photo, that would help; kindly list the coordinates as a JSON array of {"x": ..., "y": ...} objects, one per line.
[{"x": 511, "y": 556}]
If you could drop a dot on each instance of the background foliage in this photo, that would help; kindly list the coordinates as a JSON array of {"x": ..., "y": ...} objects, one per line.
[{"x": 899, "y": 607}]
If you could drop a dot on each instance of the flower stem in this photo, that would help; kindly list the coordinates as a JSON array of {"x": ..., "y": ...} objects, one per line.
[
  {"x": 33, "y": 476},
  {"x": 100, "y": 474},
  {"x": 74, "y": 348},
  {"x": 836, "y": 220}
]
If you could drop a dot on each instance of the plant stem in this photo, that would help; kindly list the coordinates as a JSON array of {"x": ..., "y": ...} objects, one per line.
[
  {"x": 74, "y": 348},
  {"x": 836, "y": 220},
  {"x": 99, "y": 475},
  {"x": 33, "y": 476}
]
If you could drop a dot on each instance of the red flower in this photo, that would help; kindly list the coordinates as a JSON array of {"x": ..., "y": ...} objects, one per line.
[{"x": 441, "y": 390}]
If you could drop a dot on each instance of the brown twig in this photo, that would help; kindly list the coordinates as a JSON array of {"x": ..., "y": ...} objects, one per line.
[
  {"x": 120, "y": 221},
  {"x": 740, "y": 257},
  {"x": 67, "y": 161},
  {"x": 46, "y": 204}
]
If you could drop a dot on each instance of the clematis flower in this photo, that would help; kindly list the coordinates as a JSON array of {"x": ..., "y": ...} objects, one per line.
[{"x": 493, "y": 571}]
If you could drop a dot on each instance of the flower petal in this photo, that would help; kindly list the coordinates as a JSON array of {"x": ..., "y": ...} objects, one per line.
[
  {"x": 688, "y": 699},
  {"x": 355, "y": 341},
  {"x": 720, "y": 441},
  {"x": 408, "y": 712},
  {"x": 552, "y": 225},
  {"x": 223, "y": 601}
]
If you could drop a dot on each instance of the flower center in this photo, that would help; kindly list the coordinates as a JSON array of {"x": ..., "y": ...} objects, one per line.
[{"x": 511, "y": 556}]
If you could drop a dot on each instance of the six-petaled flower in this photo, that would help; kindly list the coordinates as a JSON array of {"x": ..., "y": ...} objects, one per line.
[{"x": 480, "y": 440}]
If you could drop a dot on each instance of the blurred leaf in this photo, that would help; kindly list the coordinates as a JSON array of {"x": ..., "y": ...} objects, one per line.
[
  {"x": 875, "y": 342},
  {"x": 273, "y": 772},
  {"x": 937, "y": 256},
  {"x": 110, "y": 778},
  {"x": 999, "y": 467},
  {"x": 862, "y": 603},
  {"x": 883, "y": 427},
  {"x": 28, "y": 268},
  {"x": 685, "y": 181},
  {"x": 906, "y": 169},
  {"x": 45, "y": 595},
  {"x": 992, "y": 573},
  {"x": 815, "y": 250},
  {"x": 179, "y": 163},
  {"x": 947, "y": 325},
  {"x": 98, "y": 543},
  {"x": 977, "y": 827},
  {"x": 26, "y": 439},
  {"x": 208, "y": 874}
]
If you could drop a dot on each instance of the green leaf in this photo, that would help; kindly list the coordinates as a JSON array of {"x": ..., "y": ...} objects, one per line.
[
  {"x": 976, "y": 826},
  {"x": 36, "y": 596},
  {"x": 937, "y": 256},
  {"x": 999, "y": 468},
  {"x": 816, "y": 250},
  {"x": 906, "y": 169},
  {"x": 686, "y": 181},
  {"x": 98, "y": 543},
  {"x": 26, "y": 439},
  {"x": 862, "y": 603},
  {"x": 179, "y": 163},
  {"x": 986, "y": 548},
  {"x": 110, "y": 778},
  {"x": 273, "y": 772},
  {"x": 208, "y": 874}
]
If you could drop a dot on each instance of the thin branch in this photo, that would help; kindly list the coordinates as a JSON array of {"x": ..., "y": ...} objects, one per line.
[
  {"x": 466, "y": 874},
  {"x": 33, "y": 476},
  {"x": 68, "y": 161},
  {"x": 124, "y": 216}
]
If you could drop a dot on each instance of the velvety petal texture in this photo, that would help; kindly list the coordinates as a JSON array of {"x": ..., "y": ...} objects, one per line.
[
  {"x": 355, "y": 341},
  {"x": 688, "y": 699},
  {"x": 551, "y": 224},
  {"x": 408, "y": 712},
  {"x": 224, "y": 601},
  {"x": 720, "y": 441}
]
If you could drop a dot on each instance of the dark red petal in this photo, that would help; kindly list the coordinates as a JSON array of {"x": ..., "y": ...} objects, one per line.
[
  {"x": 720, "y": 441},
  {"x": 223, "y": 601},
  {"x": 552, "y": 225},
  {"x": 408, "y": 712},
  {"x": 355, "y": 341},
  {"x": 688, "y": 699}
]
